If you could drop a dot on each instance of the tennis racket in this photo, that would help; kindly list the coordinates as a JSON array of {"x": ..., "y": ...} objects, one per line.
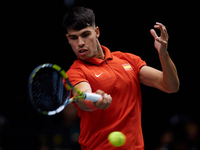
[{"x": 49, "y": 89}]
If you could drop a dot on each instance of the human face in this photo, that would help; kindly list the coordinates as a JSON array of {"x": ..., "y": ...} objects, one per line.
[{"x": 84, "y": 42}]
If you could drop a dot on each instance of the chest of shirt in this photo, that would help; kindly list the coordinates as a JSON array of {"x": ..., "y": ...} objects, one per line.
[{"x": 115, "y": 74}]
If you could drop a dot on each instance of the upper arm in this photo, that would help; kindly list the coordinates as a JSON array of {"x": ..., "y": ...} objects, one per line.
[{"x": 151, "y": 77}]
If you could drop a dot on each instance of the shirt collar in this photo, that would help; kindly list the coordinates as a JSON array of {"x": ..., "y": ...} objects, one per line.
[{"x": 96, "y": 61}]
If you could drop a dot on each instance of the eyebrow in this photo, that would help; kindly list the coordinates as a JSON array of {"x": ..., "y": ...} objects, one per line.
[{"x": 80, "y": 34}]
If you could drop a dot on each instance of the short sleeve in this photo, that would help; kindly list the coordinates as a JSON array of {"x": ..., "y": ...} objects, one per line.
[
  {"x": 76, "y": 75},
  {"x": 136, "y": 61}
]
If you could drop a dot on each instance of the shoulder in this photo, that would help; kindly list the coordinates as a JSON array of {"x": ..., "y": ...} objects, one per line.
[
  {"x": 76, "y": 68},
  {"x": 76, "y": 73},
  {"x": 126, "y": 56},
  {"x": 134, "y": 60},
  {"x": 77, "y": 64}
]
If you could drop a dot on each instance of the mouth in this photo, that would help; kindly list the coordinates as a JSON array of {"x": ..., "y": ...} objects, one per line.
[{"x": 82, "y": 51}]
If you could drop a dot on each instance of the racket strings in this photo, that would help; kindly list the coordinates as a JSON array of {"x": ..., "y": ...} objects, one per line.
[{"x": 48, "y": 89}]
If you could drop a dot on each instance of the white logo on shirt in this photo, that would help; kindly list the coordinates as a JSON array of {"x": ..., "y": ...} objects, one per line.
[{"x": 98, "y": 75}]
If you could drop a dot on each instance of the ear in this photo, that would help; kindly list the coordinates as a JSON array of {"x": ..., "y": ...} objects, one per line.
[
  {"x": 97, "y": 32},
  {"x": 67, "y": 36}
]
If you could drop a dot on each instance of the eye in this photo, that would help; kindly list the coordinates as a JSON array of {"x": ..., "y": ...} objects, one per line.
[
  {"x": 85, "y": 34},
  {"x": 73, "y": 37}
]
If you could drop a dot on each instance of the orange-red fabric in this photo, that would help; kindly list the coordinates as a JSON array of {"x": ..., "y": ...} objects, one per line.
[
  {"x": 117, "y": 75},
  {"x": 90, "y": 105}
]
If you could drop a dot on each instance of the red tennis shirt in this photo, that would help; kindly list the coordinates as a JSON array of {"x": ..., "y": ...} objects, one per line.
[{"x": 117, "y": 75}]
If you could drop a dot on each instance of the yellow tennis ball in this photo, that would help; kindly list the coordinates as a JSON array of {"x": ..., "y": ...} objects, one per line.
[{"x": 117, "y": 138}]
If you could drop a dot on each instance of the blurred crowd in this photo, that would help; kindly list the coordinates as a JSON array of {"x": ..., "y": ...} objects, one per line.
[
  {"x": 61, "y": 132},
  {"x": 40, "y": 132},
  {"x": 183, "y": 134}
]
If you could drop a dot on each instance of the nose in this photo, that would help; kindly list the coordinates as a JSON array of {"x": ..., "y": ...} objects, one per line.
[{"x": 81, "y": 43}]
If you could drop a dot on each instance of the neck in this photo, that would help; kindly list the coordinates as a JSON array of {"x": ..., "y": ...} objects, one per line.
[{"x": 100, "y": 53}]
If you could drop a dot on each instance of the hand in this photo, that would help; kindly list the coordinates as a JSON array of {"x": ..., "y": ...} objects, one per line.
[
  {"x": 104, "y": 102},
  {"x": 161, "y": 43}
]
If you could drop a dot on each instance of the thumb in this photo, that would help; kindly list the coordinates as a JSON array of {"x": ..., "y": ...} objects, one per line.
[{"x": 153, "y": 33}]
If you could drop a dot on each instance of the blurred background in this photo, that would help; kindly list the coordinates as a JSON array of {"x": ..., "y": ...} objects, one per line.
[{"x": 32, "y": 34}]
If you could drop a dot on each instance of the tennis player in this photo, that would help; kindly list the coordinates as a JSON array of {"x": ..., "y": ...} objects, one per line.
[{"x": 117, "y": 77}]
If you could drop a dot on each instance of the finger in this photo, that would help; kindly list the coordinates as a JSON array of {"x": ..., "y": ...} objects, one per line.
[
  {"x": 159, "y": 26},
  {"x": 100, "y": 92},
  {"x": 105, "y": 96},
  {"x": 108, "y": 101},
  {"x": 153, "y": 33},
  {"x": 102, "y": 101},
  {"x": 104, "y": 106},
  {"x": 163, "y": 30},
  {"x": 158, "y": 23},
  {"x": 98, "y": 103}
]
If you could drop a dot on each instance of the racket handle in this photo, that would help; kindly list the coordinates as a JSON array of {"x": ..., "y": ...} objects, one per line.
[{"x": 92, "y": 97}]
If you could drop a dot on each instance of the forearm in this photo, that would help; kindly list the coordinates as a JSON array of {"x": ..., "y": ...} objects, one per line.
[
  {"x": 84, "y": 87},
  {"x": 170, "y": 76},
  {"x": 102, "y": 103}
]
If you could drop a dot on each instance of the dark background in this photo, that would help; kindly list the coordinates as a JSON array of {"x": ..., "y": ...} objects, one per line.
[{"x": 32, "y": 34}]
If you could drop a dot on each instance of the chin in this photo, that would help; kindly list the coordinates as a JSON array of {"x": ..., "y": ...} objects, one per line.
[{"x": 83, "y": 57}]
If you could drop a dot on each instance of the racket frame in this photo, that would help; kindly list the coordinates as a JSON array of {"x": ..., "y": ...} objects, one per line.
[{"x": 89, "y": 96}]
